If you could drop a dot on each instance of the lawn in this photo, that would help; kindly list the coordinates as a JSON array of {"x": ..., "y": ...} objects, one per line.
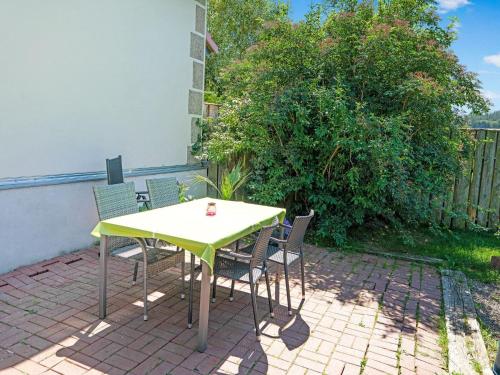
[{"x": 467, "y": 251}]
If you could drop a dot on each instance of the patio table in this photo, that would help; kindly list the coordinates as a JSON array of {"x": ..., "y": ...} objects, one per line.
[{"x": 186, "y": 225}]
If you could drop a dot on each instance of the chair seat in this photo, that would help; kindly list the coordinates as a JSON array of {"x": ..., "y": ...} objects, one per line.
[
  {"x": 276, "y": 255},
  {"x": 233, "y": 269}
]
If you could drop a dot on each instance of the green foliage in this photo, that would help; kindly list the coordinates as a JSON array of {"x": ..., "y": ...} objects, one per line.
[
  {"x": 231, "y": 181},
  {"x": 443, "y": 337},
  {"x": 183, "y": 193},
  {"x": 490, "y": 341},
  {"x": 211, "y": 97},
  {"x": 355, "y": 113},
  {"x": 235, "y": 26}
]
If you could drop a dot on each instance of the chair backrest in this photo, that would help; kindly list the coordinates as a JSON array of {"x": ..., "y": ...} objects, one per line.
[
  {"x": 295, "y": 238},
  {"x": 114, "y": 170},
  {"x": 163, "y": 192},
  {"x": 116, "y": 200},
  {"x": 260, "y": 247}
]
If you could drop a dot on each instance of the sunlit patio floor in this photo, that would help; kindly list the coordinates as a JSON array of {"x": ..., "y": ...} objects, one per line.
[{"x": 362, "y": 313}]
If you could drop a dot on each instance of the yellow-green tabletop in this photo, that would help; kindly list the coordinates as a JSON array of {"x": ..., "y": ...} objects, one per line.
[{"x": 186, "y": 225}]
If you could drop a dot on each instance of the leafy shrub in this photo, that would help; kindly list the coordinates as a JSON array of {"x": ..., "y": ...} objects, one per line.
[
  {"x": 234, "y": 26},
  {"x": 355, "y": 114}
]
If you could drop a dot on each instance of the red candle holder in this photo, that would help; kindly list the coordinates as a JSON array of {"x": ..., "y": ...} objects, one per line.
[{"x": 211, "y": 209}]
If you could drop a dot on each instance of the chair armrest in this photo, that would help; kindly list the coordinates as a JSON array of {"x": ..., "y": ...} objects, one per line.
[
  {"x": 241, "y": 256},
  {"x": 225, "y": 253},
  {"x": 285, "y": 226},
  {"x": 277, "y": 240}
]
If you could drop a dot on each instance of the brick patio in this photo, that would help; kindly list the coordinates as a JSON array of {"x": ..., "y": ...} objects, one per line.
[{"x": 362, "y": 313}]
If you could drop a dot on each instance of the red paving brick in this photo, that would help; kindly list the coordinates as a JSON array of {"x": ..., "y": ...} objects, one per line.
[{"x": 360, "y": 314}]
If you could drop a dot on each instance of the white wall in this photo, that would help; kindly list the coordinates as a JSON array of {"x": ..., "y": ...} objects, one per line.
[
  {"x": 82, "y": 80},
  {"x": 39, "y": 223}
]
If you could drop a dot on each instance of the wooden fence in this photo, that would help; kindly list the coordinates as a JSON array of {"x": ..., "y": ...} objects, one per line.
[
  {"x": 210, "y": 110},
  {"x": 476, "y": 191}
]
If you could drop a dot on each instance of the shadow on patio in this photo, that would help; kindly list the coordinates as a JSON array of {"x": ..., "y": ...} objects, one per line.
[{"x": 360, "y": 310}]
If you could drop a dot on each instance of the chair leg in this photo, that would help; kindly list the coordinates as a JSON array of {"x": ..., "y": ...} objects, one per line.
[
  {"x": 191, "y": 288},
  {"x": 254, "y": 307},
  {"x": 231, "y": 293},
  {"x": 136, "y": 268},
  {"x": 269, "y": 297},
  {"x": 302, "y": 277},
  {"x": 183, "y": 274},
  {"x": 277, "y": 285},
  {"x": 287, "y": 285},
  {"x": 214, "y": 288}
]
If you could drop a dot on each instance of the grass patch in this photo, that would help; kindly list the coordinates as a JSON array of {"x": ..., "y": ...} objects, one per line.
[
  {"x": 489, "y": 341},
  {"x": 443, "y": 337},
  {"x": 363, "y": 364},
  {"x": 477, "y": 367},
  {"x": 467, "y": 251}
]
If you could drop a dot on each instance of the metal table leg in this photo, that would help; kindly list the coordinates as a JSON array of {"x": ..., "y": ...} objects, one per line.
[
  {"x": 103, "y": 275},
  {"x": 143, "y": 244},
  {"x": 191, "y": 290},
  {"x": 496, "y": 365},
  {"x": 204, "y": 307}
]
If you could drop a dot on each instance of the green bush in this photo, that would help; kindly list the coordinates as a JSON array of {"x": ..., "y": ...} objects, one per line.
[{"x": 355, "y": 114}]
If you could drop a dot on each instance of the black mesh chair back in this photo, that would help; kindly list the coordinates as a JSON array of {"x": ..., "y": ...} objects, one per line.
[
  {"x": 261, "y": 244},
  {"x": 296, "y": 236},
  {"x": 114, "y": 170}
]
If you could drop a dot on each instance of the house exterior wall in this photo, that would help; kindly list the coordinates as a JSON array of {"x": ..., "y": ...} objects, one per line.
[
  {"x": 82, "y": 81},
  {"x": 91, "y": 79},
  {"x": 38, "y": 223}
]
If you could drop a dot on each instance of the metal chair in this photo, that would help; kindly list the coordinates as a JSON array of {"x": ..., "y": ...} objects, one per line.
[
  {"x": 114, "y": 171},
  {"x": 117, "y": 200},
  {"x": 247, "y": 268},
  {"x": 288, "y": 249},
  {"x": 164, "y": 192}
]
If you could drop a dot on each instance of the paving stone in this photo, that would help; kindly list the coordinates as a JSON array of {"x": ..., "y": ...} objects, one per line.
[
  {"x": 332, "y": 333},
  {"x": 30, "y": 367},
  {"x": 66, "y": 367}
]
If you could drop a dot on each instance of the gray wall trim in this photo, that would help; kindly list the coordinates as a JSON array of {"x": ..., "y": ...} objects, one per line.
[
  {"x": 71, "y": 178},
  {"x": 198, "y": 46},
  {"x": 200, "y": 26}
]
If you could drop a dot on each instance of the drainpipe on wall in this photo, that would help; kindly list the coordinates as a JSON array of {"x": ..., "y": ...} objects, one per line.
[{"x": 496, "y": 366}]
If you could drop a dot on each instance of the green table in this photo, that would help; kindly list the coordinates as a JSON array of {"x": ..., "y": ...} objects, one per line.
[{"x": 186, "y": 225}]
